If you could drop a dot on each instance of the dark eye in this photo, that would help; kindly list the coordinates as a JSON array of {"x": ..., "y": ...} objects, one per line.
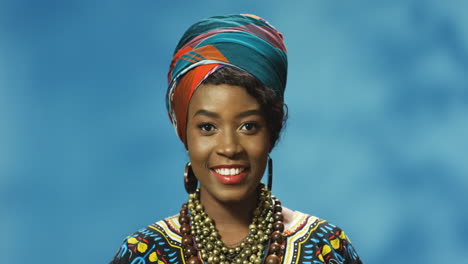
[
  {"x": 207, "y": 127},
  {"x": 249, "y": 126}
]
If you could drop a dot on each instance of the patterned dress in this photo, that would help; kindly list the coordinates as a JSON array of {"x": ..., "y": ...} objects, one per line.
[{"x": 309, "y": 240}]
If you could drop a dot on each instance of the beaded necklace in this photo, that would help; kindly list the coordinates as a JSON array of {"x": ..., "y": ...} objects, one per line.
[{"x": 201, "y": 239}]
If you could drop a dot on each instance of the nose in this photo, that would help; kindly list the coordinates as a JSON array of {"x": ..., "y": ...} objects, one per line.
[{"x": 229, "y": 145}]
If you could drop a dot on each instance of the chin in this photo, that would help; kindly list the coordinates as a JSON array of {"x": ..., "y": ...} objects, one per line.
[{"x": 230, "y": 195}]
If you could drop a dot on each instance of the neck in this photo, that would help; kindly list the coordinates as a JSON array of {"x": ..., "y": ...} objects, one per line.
[{"x": 232, "y": 219}]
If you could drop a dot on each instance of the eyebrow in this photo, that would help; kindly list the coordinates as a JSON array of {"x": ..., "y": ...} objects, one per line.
[
  {"x": 250, "y": 113},
  {"x": 216, "y": 115},
  {"x": 206, "y": 113}
]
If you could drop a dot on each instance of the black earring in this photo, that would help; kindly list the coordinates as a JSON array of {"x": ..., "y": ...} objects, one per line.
[
  {"x": 190, "y": 181},
  {"x": 270, "y": 173}
]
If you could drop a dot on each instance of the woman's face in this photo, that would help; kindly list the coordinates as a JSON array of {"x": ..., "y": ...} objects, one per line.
[{"x": 228, "y": 142}]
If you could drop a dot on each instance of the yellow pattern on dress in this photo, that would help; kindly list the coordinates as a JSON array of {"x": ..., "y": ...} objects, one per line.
[
  {"x": 343, "y": 235},
  {"x": 335, "y": 243},
  {"x": 320, "y": 257},
  {"x": 132, "y": 240},
  {"x": 153, "y": 257},
  {"x": 142, "y": 247},
  {"x": 325, "y": 250}
]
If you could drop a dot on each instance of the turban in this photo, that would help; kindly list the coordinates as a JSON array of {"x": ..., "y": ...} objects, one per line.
[{"x": 247, "y": 43}]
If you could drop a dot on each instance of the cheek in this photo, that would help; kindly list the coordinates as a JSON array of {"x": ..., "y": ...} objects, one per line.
[
  {"x": 258, "y": 149},
  {"x": 198, "y": 149}
]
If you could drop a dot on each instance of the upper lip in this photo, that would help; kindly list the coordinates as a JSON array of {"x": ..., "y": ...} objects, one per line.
[{"x": 231, "y": 166}]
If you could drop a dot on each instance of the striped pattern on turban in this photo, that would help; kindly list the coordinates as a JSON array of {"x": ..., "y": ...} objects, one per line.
[{"x": 245, "y": 42}]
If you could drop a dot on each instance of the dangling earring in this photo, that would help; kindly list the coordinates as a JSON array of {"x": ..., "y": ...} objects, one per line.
[
  {"x": 270, "y": 173},
  {"x": 190, "y": 181}
]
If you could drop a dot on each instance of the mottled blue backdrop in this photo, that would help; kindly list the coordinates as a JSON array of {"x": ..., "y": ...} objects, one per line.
[{"x": 376, "y": 141}]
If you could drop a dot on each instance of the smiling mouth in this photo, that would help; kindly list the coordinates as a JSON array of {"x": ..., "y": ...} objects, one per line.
[{"x": 230, "y": 175}]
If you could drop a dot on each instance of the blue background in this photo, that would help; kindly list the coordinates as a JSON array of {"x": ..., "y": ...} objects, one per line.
[{"x": 376, "y": 141}]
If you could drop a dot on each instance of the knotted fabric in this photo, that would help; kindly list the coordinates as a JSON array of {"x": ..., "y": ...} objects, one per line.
[{"x": 245, "y": 42}]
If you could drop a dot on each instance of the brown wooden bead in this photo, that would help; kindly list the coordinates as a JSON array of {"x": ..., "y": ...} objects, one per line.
[
  {"x": 278, "y": 208},
  {"x": 185, "y": 229},
  {"x": 273, "y": 259},
  {"x": 190, "y": 251},
  {"x": 183, "y": 219},
  {"x": 278, "y": 226},
  {"x": 187, "y": 240},
  {"x": 195, "y": 260},
  {"x": 278, "y": 216},
  {"x": 183, "y": 212},
  {"x": 277, "y": 201},
  {"x": 277, "y": 237},
  {"x": 275, "y": 248}
]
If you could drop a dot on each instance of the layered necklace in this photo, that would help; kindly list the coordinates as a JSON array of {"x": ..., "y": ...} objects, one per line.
[{"x": 201, "y": 239}]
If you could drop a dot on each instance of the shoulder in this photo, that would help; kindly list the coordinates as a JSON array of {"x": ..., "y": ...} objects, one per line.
[
  {"x": 156, "y": 243},
  {"x": 311, "y": 238}
]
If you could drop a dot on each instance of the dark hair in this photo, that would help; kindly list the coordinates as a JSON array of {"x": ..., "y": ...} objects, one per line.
[{"x": 274, "y": 109}]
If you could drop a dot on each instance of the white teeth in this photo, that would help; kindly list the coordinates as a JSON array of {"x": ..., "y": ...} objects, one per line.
[{"x": 229, "y": 172}]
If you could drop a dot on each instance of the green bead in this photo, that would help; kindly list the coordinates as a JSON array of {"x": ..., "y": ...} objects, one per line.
[
  {"x": 250, "y": 249},
  {"x": 254, "y": 249}
]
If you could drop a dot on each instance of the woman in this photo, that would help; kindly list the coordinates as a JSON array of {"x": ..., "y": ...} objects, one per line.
[{"x": 225, "y": 99}]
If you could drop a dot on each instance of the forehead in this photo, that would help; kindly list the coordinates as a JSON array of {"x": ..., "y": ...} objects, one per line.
[{"x": 222, "y": 97}]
